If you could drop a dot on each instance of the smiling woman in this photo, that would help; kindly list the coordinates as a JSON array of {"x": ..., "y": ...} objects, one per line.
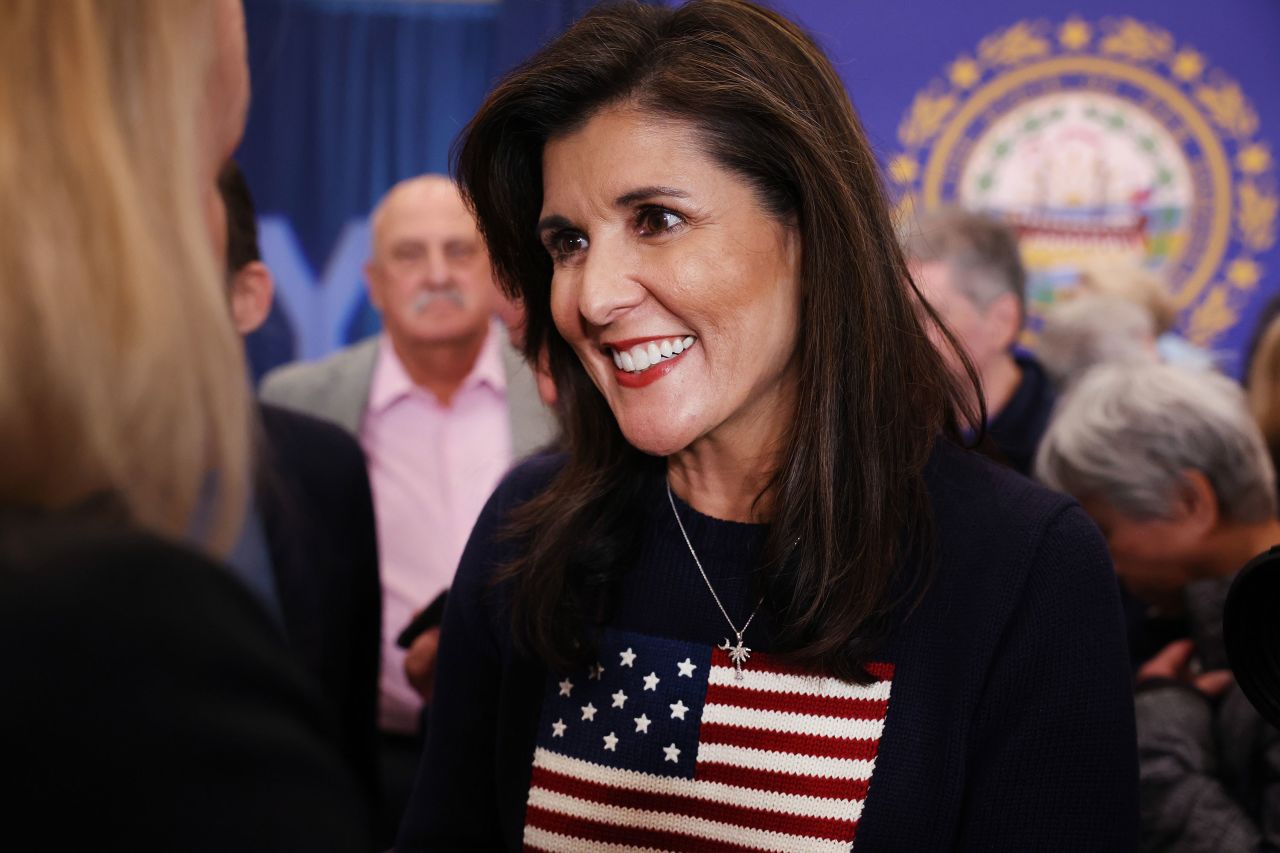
[
  {"x": 699, "y": 266},
  {"x": 688, "y": 630}
]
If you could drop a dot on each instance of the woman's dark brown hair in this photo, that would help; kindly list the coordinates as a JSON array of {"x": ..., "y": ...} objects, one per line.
[{"x": 873, "y": 394}]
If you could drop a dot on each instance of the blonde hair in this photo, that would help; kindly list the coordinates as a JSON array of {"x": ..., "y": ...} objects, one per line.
[
  {"x": 1132, "y": 283},
  {"x": 120, "y": 372}
]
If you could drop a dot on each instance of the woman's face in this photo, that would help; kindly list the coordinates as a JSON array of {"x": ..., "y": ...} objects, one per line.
[{"x": 677, "y": 290}]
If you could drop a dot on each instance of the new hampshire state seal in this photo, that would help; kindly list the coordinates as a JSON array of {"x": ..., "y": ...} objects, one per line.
[{"x": 1101, "y": 140}]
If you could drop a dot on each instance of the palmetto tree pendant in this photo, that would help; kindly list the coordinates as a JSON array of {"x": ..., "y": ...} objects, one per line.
[{"x": 738, "y": 654}]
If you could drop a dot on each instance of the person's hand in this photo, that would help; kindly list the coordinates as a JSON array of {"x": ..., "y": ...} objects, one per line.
[
  {"x": 1173, "y": 663},
  {"x": 420, "y": 663}
]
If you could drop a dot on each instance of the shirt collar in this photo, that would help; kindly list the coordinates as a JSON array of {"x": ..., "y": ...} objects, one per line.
[
  {"x": 489, "y": 369},
  {"x": 391, "y": 381}
]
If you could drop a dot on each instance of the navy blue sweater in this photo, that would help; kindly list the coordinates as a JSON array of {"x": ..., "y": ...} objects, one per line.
[{"x": 1008, "y": 723}]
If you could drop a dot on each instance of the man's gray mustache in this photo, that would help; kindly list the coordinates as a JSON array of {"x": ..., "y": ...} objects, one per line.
[{"x": 425, "y": 297}]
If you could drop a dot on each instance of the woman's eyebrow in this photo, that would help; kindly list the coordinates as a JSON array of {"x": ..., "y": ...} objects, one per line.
[
  {"x": 555, "y": 221},
  {"x": 643, "y": 193},
  {"x": 552, "y": 222}
]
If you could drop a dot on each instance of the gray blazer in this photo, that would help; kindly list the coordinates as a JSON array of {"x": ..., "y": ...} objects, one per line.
[{"x": 336, "y": 389}]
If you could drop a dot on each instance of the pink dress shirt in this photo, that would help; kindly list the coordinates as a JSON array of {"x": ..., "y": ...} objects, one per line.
[{"x": 432, "y": 467}]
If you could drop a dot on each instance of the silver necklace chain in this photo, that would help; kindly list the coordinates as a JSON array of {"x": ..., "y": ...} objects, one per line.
[{"x": 738, "y": 653}]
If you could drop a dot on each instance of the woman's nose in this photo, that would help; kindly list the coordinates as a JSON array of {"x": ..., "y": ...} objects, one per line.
[{"x": 609, "y": 284}]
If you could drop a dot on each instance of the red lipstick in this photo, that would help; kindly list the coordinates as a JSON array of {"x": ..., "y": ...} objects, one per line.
[
  {"x": 651, "y": 374},
  {"x": 619, "y": 346}
]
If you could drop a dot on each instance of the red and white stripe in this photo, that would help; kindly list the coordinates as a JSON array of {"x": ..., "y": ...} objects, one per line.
[{"x": 784, "y": 763}]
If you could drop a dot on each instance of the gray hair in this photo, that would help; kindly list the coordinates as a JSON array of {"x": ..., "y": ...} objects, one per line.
[
  {"x": 1125, "y": 435},
  {"x": 981, "y": 252},
  {"x": 1090, "y": 330}
]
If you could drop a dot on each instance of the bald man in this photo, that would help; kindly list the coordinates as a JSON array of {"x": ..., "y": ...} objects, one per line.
[{"x": 442, "y": 405}]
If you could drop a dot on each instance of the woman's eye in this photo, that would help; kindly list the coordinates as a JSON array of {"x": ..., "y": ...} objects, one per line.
[
  {"x": 565, "y": 244},
  {"x": 657, "y": 220}
]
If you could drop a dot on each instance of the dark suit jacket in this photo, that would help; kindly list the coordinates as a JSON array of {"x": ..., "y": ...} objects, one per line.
[
  {"x": 317, "y": 510},
  {"x": 147, "y": 703}
]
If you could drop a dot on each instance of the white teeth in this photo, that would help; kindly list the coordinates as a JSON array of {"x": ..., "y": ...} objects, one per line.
[{"x": 643, "y": 356}]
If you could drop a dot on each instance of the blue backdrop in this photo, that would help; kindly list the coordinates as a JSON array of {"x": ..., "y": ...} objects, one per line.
[{"x": 351, "y": 96}]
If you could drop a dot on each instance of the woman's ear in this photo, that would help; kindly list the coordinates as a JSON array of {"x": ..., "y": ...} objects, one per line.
[{"x": 252, "y": 291}]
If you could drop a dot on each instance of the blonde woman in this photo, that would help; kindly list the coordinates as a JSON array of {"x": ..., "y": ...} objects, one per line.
[{"x": 148, "y": 703}]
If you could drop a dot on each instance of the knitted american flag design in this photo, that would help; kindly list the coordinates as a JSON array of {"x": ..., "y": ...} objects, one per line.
[{"x": 659, "y": 747}]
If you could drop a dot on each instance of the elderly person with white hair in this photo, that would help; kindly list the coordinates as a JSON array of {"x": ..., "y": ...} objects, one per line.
[{"x": 1173, "y": 469}]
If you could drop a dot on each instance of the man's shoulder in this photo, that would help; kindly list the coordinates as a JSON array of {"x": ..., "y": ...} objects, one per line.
[
  {"x": 335, "y": 388},
  {"x": 304, "y": 448},
  {"x": 1035, "y": 386},
  {"x": 297, "y": 433},
  {"x": 1017, "y": 428},
  {"x": 346, "y": 364}
]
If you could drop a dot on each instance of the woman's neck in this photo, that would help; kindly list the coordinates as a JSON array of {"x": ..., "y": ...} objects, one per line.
[{"x": 722, "y": 484}]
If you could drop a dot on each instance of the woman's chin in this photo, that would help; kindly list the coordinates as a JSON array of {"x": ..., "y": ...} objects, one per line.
[{"x": 655, "y": 442}]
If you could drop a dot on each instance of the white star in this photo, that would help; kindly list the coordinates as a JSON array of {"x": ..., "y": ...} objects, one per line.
[
  {"x": 673, "y": 754},
  {"x": 628, "y": 657},
  {"x": 558, "y": 728},
  {"x": 595, "y": 672},
  {"x": 566, "y": 687},
  {"x": 611, "y": 742},
  {"x": 588, "y": 711},
  {"x": 687, "y": 667},
  {"x": 651, "y": 681},
  {"x": 678, "y": 709},
  {"x": 642, "y": 724},
  {"x": 619, "y": 699}
]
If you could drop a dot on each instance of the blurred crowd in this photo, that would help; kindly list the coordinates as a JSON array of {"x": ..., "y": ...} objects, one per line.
[{"x": 1174, "y": 461}]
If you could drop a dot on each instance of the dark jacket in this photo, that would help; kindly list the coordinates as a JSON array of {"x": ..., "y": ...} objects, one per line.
[
  {"x": 1210, "y": 769},
  {"x": 150, "y": 705},
  {"x": 1018, "y": 427},
  {"x": 317, "y": 510}
]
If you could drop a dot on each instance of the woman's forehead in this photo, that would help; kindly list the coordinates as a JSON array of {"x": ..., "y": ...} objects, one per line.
[{"x": 620, "y": 150}]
